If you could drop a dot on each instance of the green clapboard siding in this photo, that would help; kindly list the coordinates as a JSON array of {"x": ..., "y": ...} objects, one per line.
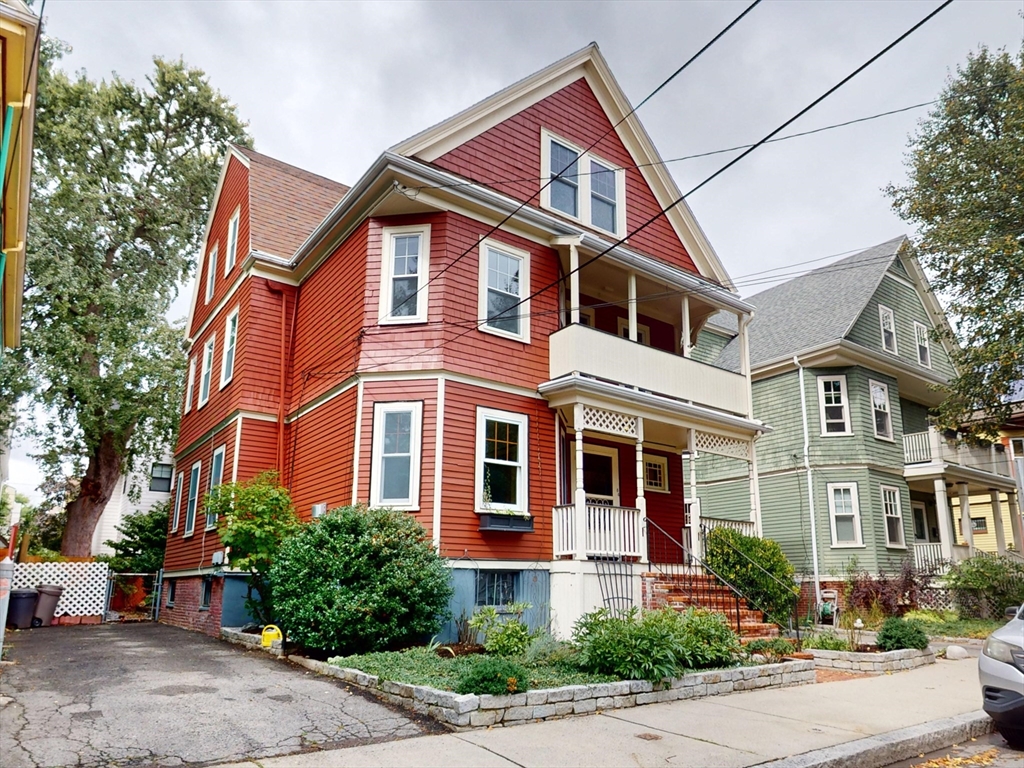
[
  {"x": 915, "y": 417},
  {"x": 709, "y": 346}
]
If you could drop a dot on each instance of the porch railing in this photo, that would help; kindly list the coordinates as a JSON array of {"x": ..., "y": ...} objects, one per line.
[
  {"x": 926, "y": 447},
  {"x": 611, "y": 531},
  {"x": 928, "y": 557},
  {"x": 746, "y": 527},
  {"x": 916, "y": 448}
]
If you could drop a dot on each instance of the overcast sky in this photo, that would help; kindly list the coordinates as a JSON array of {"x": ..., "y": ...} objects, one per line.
[{"x": 328, "y": 86}]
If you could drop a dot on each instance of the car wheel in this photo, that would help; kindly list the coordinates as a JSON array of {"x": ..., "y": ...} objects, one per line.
[{"x": 1014, "y": 737}]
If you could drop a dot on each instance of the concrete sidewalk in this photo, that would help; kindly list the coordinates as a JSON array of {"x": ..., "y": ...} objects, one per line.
[{"x": 737, "y": 730}]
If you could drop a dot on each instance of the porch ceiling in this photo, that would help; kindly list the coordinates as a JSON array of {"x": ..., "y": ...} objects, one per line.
[{"x": 922, "y": 478}]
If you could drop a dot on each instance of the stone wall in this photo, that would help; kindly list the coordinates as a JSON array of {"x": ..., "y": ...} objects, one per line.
[
  {"x": 472, "y": 711},
  {"x": 872, "y": 663}
]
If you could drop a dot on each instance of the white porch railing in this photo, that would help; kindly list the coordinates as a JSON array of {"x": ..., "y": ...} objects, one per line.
[
  {"x": 611, "y": 531},
  {"x": 928, "y": 556},
  {"x": 746, "y": 527},
  {"x": 916, "y": 448},
  {"x": 926, "y": 447}
]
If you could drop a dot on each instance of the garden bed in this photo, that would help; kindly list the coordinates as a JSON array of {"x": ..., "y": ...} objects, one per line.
[
  {"x": 872, "y": 663},
  {"x": 468, "y": 711}
]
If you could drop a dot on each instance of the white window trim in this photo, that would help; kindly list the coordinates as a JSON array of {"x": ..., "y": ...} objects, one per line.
[
  {"x": 524, "y": 290},
  {"x": 663, "y": 462},
  {"x": 232, "y": 340},
  {"x": 192, "y": 502},
  {"x": 882, "y": 312},
  {"x": 190, "y": 384},
  {"x": 412, "y": 503},
  {"x": 1014, "y": 442},
  {"x": 176, "y": 517},
  {"x": 211, "y": 272},
  {"x": 388, "y": 235},
  {"x": 830, "y": 487},
  {"x": 846, "y": 406},
  {"x": 623, "y": 325},
  {"x": 523, "y": 489},
  {"x": 927, "y": 343},
  {"x": 588, "y": 312},
  {"x": 220, "y": 451},
  {"x": 232, "y": 249},
  {"x": 583, "y": 183},
  {"x": 209, "y": 352},
  {"x": 891, "y": 437},
  {"x": 899, "y": 514}
]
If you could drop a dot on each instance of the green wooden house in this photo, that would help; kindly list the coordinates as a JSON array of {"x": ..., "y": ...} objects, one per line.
[{"x": 845, "y": 365}]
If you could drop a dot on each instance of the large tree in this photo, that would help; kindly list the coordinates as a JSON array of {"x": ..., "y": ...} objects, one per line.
[
  {"x": 122, "y": 184},
  {"x": 965, "y": 196}
]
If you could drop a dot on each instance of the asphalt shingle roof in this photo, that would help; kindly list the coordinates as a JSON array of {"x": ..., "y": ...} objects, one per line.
[
  {"x": 285, "y": 203},
  {"x": 814, "y": 309}
]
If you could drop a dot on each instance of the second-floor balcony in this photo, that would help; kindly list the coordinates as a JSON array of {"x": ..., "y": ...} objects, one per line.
[
  {"x": 581, "y": 349},
  {"x": 932, "y": 447}
]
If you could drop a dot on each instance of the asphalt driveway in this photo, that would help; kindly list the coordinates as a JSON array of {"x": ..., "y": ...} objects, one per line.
[{"x": 145, "y": 694}]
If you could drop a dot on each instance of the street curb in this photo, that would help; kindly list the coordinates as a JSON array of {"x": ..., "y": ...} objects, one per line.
[{"x": 887, "y": 748}]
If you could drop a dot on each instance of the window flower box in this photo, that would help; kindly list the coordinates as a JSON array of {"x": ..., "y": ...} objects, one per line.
[{"x": 502, "y": 521}]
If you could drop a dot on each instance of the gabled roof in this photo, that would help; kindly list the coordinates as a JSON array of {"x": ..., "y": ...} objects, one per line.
[
  {"x": 813, "y": 309},
  {"x": 285, "y": 203},
  {"x": 587, "y": 63}
]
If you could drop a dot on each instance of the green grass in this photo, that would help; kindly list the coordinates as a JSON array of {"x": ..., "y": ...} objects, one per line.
[
  {"x": 419, "y": 666},
  {"x": 946, "y": 624}
]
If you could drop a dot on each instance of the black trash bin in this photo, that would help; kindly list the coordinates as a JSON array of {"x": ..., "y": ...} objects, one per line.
[
  {"x": 21, "y": 608},
  {"x": 49, "y": 596}
]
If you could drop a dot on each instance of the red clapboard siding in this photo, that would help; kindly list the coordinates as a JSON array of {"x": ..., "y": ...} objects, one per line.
[
  {"x": 234, "y": 194},
  {"x": 186, "y": 552},
  {"x": 259, "y": 361},
  {"x": 330, "y": 317},
  {"x": 460, "y": 532},
  {"x": 318, "y": 455},
  {"x": 258, "y": 451},
  {"x": 511, "y": 150}
]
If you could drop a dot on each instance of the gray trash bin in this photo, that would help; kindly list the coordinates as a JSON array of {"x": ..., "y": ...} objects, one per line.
[
  {"x": 49, "y": 596},
  {"x": 21, "y": 608}
]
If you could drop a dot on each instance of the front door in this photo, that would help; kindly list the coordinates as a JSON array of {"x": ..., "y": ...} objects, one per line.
[
  {"x": 920, "y": 522},
  {"x": 600, "y": 474}
]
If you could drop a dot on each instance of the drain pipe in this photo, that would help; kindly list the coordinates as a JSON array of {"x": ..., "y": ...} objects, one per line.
[{"x": 810, "y": 485}]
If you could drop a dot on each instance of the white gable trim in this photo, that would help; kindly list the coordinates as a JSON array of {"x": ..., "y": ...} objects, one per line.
[{"x": 588, "y": 63}]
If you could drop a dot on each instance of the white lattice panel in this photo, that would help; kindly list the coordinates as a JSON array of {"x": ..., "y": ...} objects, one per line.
[
  {"x": 723, "y": 446},
  {"x": 609, "y": 421},
  {"x": 85, "y": 585}
]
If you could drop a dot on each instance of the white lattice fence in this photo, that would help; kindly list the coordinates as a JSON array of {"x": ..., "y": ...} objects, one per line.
[{"x": 85, "y": 585}]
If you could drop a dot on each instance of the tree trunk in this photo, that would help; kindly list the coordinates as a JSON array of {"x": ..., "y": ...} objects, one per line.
[{"x": 97, "y": 487}]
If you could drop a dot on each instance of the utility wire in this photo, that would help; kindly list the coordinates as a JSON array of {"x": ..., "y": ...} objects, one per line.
[{"x": 561, "y": 173}]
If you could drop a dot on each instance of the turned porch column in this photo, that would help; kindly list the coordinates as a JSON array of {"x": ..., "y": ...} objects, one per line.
[
  {"x": 965, "y": 517},
  {"x": 580, "y": 495},
  {"x": 945, "y": 522},
  {"x": 997, "y": 520}
]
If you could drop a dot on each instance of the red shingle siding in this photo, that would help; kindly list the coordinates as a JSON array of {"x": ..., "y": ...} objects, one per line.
[{"x": 511, "y": 150}]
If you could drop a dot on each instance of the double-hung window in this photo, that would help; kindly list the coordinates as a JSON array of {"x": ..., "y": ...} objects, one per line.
[
  {"x": 232, "y": 249},
  {"x": 887, "y": 320},
  {"x": 833, "y": 406},
  {"x": 207, "y": 373},
  {"x": 504, "y": 282},
  {"x": 405, "y": 253},
  {"x": 190, "y": 384},
  {"x": 844, "y": 512},
  {"x": 216, "y": 478},
  {"x": 893, "y": 515},
  {"x": 396, "y": 455},
  {"x": 211, "y": 273},
  {"x": 582, "y": 185},
  {"x": 160, "y": 478},
  {"x": 880, "y": 410},
  {"x": 924, "y": 353},
  {"x": 193, "y": 498},
  {"x": 227, "y": 367},
  {"x": 177, "y": 502},
  {"x": 1017, "y": 447},
  {"x": 501, "y": 468}
]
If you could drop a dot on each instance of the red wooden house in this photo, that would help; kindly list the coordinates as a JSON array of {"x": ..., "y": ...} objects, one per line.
[{"x": 382, "y": 344}]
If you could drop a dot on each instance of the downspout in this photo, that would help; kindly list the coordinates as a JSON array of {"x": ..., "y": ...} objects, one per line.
[
  {"x": 280, "y": 401},
  {"x": 810, "y": 485}
]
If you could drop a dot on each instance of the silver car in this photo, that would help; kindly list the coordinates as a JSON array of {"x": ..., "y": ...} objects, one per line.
[{"x": 1001, "y": 671}]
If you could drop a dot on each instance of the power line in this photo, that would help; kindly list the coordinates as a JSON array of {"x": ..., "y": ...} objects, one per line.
[{"x": 561, "y": 173}]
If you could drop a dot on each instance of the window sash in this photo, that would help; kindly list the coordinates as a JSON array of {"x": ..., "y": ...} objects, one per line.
[
  {"x": 591, "y": 189},
  {"x": 504, "y": 281},
  {"x": 211, "y": 274},
  {"x": 844, "y": 512},
  {"x": 834, "y": 406},
  {"x": 501, "y": 476},
  {"x": 564, "y": 189},
  {"x": 177, "y": 502},
  {"x": 924, "y": 356},
  {"x": 881, "y": 411},
  {"x": 397, "y": 429},
  {"x": 887, "y": 321},
  {"x": 206, "y": 593},
  {"x": 603, "y": 204},
  {"x": 190, "y": 384},
  {"x": 227, "y": 370},
  {"x": 893, "y": 516},
  {"x": 193, "y": 498},
  {"x": 216, "y": 478},
  {"x": 405, "y": 269},
  {"x": 229, "y": 257},
  {"x": 161, "y": 472},
  {"x": 207, "y": 374},
  {"x": 496, "y": 588}
]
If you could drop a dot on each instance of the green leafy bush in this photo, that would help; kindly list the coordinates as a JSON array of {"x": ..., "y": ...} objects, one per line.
[
  {"x": 985, "y": 585},
  {"x": 546, "y": 650},
  {"x": 773, "y": 649},
  {"x": 359, "y": 580},
  {"x": 494, "y": 676},
  {"x": 140, "y": 548},
  {"x": 757, "y": 568},
  {"x": 653, "y": 645},
  {"x": 897, "y": 634},
  {"x": 504, "y": 634},
  {"x": 825, "y": 641}
]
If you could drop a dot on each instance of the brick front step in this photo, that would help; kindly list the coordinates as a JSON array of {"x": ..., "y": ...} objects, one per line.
[{"x": 705, "y": 591}]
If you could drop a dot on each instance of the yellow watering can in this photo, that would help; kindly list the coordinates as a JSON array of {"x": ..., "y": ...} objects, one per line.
[{"x": 270, "y": 634}]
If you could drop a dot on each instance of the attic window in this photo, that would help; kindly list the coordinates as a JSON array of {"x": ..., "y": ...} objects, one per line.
[
  {"x": 924, "y": 355},
  {"x": 583, "y": 186},
  {"x": 887, "y": 319}
]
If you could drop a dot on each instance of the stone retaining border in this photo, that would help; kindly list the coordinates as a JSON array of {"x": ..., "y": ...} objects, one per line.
[
  {"x": 872, "y": 663},
  {"x": 467, "y": 711},
  {"x": 251, "y": 641}
]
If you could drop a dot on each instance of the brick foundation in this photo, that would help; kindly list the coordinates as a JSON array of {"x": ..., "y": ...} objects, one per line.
[
  {"x": 805, "y": 606},
  {"x": 185, "y": 612}
]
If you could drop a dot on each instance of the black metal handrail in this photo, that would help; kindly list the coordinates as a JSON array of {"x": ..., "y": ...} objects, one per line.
[
  {"x": 663, "y": 548},
  {"x": 793, "y": 611}
]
